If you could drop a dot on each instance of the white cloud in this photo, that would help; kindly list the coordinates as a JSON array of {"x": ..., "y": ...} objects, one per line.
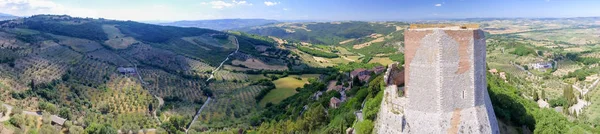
[
  {"x": 222, "y": 4},
  {"x": 32, "y": 7},
  {"x": 285, "y": 9},
  {"x": 269, "y": 3},
  {"x": 438, "y": 5}
]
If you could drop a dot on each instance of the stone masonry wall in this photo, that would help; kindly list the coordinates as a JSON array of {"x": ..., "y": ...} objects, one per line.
[{"x": 445, "y": 84}]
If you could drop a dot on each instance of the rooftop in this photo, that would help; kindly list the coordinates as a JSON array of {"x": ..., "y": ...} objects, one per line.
[{"x": 444, "y": 26}]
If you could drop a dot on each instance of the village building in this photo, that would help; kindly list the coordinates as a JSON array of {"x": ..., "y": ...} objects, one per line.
[
  {"x": 126, "y": 70},
  {"x": 334, "y": 102},
  {"x": 541, "y": 65},
  {"x": 379, "y": 69},
  {"x": 317, "y": 95},
  {"x": 493, "y": 71}
]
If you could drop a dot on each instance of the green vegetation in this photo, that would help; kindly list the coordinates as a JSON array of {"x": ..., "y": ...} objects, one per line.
[
  {"x": 324, "y": 33},
  {"x": 318, "y": 53},
  {"x": 581, "y": 74},
  {"x": 285, "y": 87},
  {"x": 509, "y": 106},
  {"x": 287, "y": 115},
  {"x": 397, "y": 58},
  {"x": 265, "y": 91},
  {"x": 522, "y": 50},
  {"x": 91, "y": 31},
  {"x": 353, "y": 65},
  {"x": 364, "y": 127}
]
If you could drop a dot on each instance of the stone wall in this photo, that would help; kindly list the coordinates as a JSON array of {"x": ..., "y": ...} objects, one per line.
[{"x": 446, "y": 89}]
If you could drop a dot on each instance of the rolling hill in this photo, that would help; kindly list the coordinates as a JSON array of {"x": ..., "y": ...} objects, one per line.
[
  {"x": 7, "y": 16},
  {"x": 125, "y": 74}
]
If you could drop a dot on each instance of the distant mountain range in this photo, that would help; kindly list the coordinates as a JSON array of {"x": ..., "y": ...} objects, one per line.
[
  {"x": 221, "y": 24},
  {"x": 7, "y": 16}
]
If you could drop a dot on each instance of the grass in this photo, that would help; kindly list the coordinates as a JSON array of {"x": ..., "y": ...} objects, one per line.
[
  {"x": 285, "y": 87},
  {"x": 575, "y": 36},
  {"x": 592, "y": 111},
  {"x": 382, "y": 60}
]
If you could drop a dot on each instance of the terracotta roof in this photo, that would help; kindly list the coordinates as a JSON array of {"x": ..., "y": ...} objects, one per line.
[
  {"x": 335, "y": 100},
  {"x": 462, "y": 26},
  {"x": 356, "y": 71}
]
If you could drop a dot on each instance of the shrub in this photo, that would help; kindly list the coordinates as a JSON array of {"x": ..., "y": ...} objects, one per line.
[
  {"x": 561, "y": 101},
  {"x": 364, "y": 127},
  {"x": 372, "y": 107}
]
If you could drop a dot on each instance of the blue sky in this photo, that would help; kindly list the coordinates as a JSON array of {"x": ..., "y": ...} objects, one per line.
[{"x": 170, "y": 10}]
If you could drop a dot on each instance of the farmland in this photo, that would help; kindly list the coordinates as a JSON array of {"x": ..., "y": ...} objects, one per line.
[
  {"x": 285, "y": 87},
  {"x": 114, "y": 75}
]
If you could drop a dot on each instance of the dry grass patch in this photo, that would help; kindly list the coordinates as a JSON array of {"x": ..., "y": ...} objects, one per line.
[
  {"x": 346, "y": 41},
  {"x": 116, "y": 39},
  {"x": 377, "y": 37},
  {"x": 382, "y": 60}
]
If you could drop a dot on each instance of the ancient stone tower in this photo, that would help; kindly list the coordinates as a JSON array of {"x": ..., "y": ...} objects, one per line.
[{"x": 445, "y": 74}]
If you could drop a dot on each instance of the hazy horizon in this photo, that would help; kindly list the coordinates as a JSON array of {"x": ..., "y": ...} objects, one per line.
[{"x": 177, "y": 10}]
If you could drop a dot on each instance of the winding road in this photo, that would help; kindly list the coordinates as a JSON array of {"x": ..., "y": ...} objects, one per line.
[
  {"x": 235, "y": 41},
  {"x": 212, "y": 74},
  {"x": 9, "y": 108},
  {"x": 197, "y": 114}
]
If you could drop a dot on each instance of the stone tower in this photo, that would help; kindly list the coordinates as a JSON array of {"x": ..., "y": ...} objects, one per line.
[{"x": 445, "y": 74}]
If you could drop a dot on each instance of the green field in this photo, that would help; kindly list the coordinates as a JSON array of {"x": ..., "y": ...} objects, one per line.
[{"x": 285, "y": 87}]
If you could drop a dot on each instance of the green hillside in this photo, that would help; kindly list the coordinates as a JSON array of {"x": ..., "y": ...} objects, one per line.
[{"x": 70, "y": 67}]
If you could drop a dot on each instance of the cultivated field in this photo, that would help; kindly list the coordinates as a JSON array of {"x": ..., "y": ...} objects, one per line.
[{"x": 285, "y": 87}]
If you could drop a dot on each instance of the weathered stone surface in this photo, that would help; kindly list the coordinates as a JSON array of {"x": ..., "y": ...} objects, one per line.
[{"x": 445, "y": 84}]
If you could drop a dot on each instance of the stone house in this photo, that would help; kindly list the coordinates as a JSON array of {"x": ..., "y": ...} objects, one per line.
[
  {"x": 359, "y": 72},
  {"x": 379, "y": 69},
  {"x": 126, "y": 70},
  {"x": 334, "y": 102}
]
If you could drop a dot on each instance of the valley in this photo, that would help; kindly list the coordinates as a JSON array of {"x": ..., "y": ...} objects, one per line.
[{"x": 110, "y": 76}]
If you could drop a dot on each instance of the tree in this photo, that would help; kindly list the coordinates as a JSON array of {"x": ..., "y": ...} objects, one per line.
[
  {"x": 49, "y": 107},
  {"x": 315, "y": 116},
  {"x": 100, "y": 129},
  {"x": 3, "y": 109},
  {"x": 372, "y": 107},
  {"x": 48, "y": 129},
  {"x": 76, "y": 130},
  {"x": 208, "y": 92},
  {"x": 176, "y": 124},
  {"x": 364, "y": 127},
  {"x": 550, "y": 122},
  {"x": 570, "y": 96},
  {"x": 46, "y": 118},
  {"x": 535, "y": 96},
  {"x": 18, "y": 120},
  {"x": 356, "y": 82},
  {"x": 107, "y": 129},
  {"x": 65, "y": 113},
  {"x": 543, "y": 95}
]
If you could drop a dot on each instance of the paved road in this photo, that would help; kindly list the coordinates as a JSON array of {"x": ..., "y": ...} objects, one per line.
[
  {"x": 6, "y": 117},
  {"x": 37, "y": 113},
  {"x": 197, "y": 114},
  {"x": 160, "y": 103},
  {"x": 235, "y": 41}
]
